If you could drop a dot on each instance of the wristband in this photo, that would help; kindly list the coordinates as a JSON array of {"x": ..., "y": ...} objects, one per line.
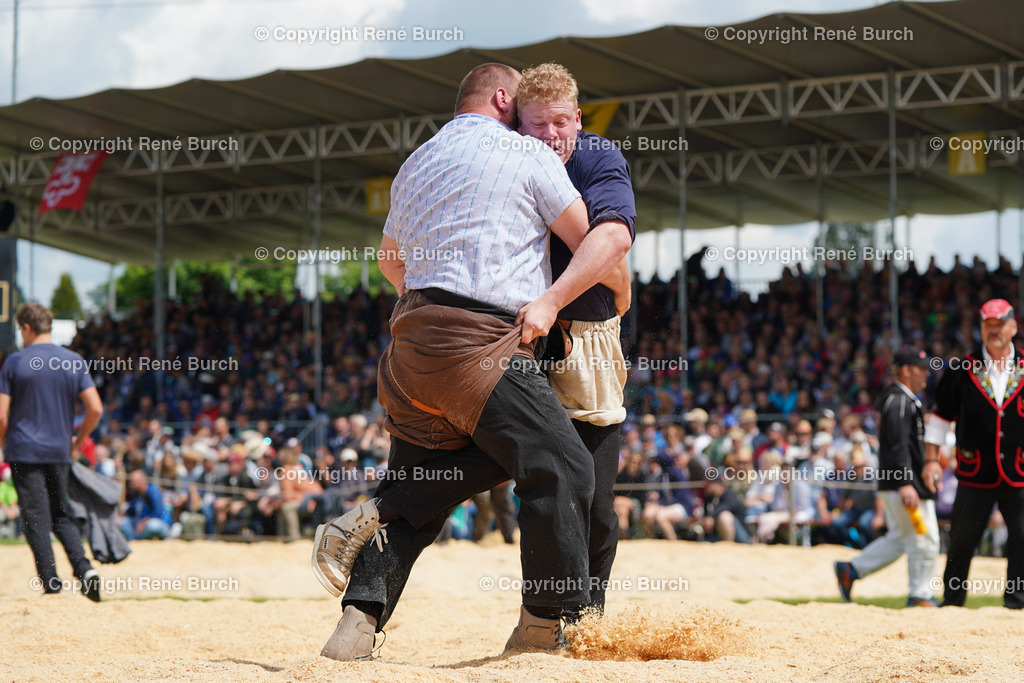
[{"x": 932, "y": 460}]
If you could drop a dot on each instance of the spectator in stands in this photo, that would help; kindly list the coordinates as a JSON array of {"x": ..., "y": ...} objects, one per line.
[
  {"x": 340, "y": 437},
  {"x": 724, "y": 513},
  {"x": 145, "y": 515},
  {"x": 105, "y": 464},
  {"x": 777, "y": 444},
  {"x": 299, "y": 492},
  {"x": 9, "y": 511},
  {"x": 804, "y": 506},
  {"x": 234, "y": 506},
  {"x": 676, "y": 504},
  {"x": 752, "y": 436},
  {"x": 861, "y": 513},
  {"x": 740, "y": 465},
  {"x": 697, "y": 422},
  {"x": 744, "y": 345},
  {"x": 170, "y": 471},
  {"x": 761, "y": 493},
  {"x": 649, "y": 431},
  {"x": 629, "y": 502}
]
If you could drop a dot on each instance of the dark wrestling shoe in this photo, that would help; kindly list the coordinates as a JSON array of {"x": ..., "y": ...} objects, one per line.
[
  {"x": 845, "y": 576},
  {"x": 91, "y": 585},
  {"x": 922, "y": 602}
]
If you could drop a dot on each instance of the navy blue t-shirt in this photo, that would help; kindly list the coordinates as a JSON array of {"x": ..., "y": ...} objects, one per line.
[
  {"x": 599, "y": 171},
  {"x": 43, "y": 381}
]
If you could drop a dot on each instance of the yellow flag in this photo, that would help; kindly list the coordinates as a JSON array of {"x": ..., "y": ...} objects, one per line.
[
  {"x": 966, "y": 154},
  {"x": 378, "y": 196},
  {"x": 597, "y": 117}
]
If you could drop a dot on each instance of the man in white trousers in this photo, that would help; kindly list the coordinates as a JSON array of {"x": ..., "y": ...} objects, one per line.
[{"x": 901, "y": 488}]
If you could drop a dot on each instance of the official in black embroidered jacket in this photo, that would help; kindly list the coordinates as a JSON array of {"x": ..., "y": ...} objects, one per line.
[{"x": 982, "y": 395}]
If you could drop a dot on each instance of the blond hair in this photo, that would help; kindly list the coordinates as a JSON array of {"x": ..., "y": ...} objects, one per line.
[{"x": 547, "y": 83}]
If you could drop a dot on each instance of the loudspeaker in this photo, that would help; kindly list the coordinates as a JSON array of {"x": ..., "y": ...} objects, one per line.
[{"x": 8, "y": 210}]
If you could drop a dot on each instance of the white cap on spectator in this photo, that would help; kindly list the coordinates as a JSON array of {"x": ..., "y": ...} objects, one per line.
[
  {"x": 204, "y": 451},
  {"x": 696, "y": 415},
  {"x": 821, "y": 440},
  {"x": 256, "y": 446},
  {"x": 349, "y": 455}
]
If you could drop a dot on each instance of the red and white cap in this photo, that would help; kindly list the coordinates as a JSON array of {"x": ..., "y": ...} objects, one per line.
[{"x": 997, "y": 308}]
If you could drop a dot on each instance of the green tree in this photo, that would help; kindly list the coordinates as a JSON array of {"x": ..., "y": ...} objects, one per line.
[
  {"x": 136, "y": 283},
  {"x": 65, "y": 303},
  {"x": 349, "y": 277},
  {"x": 850, "y": 238}
]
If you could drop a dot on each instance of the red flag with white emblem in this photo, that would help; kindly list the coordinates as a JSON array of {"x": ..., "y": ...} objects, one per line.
[{"x": 70, "y": 179}]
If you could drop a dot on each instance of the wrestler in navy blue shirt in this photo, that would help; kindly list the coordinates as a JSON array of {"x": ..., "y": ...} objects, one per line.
[{"x": 599, "y": 171}]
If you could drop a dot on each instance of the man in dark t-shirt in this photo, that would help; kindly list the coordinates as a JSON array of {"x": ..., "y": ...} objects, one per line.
[
  {"x": 38, "y": 389},
  {"x": 590, "y": 378}
]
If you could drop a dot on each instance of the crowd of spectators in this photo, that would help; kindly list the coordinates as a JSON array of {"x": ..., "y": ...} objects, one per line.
[
  {"x": 225, "y": 436},
  {"x": 779, "y": 409}
]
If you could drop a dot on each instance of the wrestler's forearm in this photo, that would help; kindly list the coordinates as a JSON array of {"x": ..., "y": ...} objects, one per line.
[
  {"x": 394, "y": 272},
  {"x": 391, "y": 266},
  {"x": 619, "y": 282},
  {"x": 602, "y": 250},
  {"x": 617, "y": 279}
]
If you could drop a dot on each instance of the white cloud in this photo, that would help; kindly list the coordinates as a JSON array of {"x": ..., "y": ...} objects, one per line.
[{"x": 219, "y": 41}]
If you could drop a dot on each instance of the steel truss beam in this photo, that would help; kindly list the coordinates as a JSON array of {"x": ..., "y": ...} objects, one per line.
[
  {"x": 204, "y": 207},
  {"x": 703, "y": 169},
  {"x": 800, "y": 162},
  {"x": 339, "y": 141},
  {"x": 995, "y": 83}
]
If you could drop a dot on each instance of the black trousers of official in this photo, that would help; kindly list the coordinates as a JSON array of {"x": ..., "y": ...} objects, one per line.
[
  {"x": 43, "y": 498},
  {"x": 523, "y": 434},
  {"x": 971, "y": 510},
  {"x": 603, "y": 444}
]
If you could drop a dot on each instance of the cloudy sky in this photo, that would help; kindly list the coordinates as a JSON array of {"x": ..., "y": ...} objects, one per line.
[{"x": 75, "y": 47}]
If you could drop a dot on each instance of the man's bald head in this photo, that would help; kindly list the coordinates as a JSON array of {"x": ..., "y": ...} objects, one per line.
[{"x": 479, "y": 90}]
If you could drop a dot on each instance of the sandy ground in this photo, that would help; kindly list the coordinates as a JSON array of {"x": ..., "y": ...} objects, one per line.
[{"x": 255, "y": 612}]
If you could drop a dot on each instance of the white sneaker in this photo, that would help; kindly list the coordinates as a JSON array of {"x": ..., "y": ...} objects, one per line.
[{"x": 338, "y": 542}]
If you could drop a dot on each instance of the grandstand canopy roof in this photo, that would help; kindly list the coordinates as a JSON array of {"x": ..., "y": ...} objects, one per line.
[{"x": 766, "y": 123}]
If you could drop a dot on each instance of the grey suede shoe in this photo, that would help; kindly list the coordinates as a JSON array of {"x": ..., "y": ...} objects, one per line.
[
  {"x": 352, "y": 639},
  {"x": 536, "y": 633}
]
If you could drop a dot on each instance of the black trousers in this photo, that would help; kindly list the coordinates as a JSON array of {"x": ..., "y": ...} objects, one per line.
[
  {"x": 523, "y": 434},
  {"x": 971, "y": 510},
  {"x": 603, "y": 444},
  {"x": 43, "y": 498}
]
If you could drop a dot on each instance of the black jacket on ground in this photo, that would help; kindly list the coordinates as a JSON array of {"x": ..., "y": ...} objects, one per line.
[{"x": 94, "y": 501}]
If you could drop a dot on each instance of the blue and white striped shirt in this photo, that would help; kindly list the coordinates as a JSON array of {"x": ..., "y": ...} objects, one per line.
[{"x": 470, "y": 211}]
